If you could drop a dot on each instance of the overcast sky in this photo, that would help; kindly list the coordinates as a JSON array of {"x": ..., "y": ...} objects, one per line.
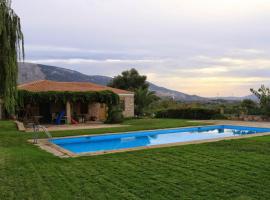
[{"x": 203, "y": 47}]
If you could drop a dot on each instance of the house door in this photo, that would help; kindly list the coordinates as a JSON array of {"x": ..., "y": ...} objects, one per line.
[{"x": 45, "y": 112}]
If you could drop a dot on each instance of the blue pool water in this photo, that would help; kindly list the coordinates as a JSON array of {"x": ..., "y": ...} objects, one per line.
[{"x": 90, "y": 144}]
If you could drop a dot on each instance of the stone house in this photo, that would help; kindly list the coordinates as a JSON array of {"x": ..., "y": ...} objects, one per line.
[{"x": 89, "y": 111}]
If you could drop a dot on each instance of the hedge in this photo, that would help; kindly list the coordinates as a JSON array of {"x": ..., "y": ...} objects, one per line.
[
  {"x": 188, "y": 113},
  {"x": 106, "y": 97}
]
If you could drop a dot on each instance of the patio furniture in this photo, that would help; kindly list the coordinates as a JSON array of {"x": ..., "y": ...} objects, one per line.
[
  {"x": 86, "y": 117},
  {"x": 53, "y": 118},
  {"x": 60, "y": 118},
  {"x": 93, "y": 118},
  {"x": 81, "y": 118}
]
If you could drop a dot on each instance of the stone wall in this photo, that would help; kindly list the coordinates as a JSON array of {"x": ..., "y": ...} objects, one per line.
[
  {"x": 129, "y": 105},
  {"x": 98, "y": 111},
  {"x": 93, "y": 110}
]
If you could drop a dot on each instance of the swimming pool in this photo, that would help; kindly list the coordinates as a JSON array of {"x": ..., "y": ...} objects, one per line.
[{"x": 112, "y": 142}]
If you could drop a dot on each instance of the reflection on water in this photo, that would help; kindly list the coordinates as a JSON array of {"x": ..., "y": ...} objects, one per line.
[
  {"x": 242, "y": 132},
  {"x": 222, "y": 130}
]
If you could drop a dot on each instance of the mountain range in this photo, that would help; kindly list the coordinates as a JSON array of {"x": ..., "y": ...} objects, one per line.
[{"x": 30, "y": 72}]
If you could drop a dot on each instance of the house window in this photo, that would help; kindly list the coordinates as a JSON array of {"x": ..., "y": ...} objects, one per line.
[{"x": 122, "y": 105}]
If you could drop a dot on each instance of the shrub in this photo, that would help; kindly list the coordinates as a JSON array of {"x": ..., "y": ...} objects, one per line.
[
  {"x": 115, "y": 115},
  {"x": 188, "y": 113},
  {"x": 219, "y": 116}
]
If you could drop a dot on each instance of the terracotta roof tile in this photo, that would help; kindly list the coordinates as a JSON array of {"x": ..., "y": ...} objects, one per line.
[{"x": 45, "y": 86}]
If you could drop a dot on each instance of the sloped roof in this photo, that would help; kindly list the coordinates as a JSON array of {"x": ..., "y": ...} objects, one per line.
[{"x": 45, "y": 86}]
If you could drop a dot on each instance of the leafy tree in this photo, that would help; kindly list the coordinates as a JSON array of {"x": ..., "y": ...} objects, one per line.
[
  {"x": 263, "y": 94},
  {"x": 115, "y": 115},
  {"x": 165, "y": 103},
  {"x": 249, "y": 106},
  {"x": 11, "y": 48},
  {"x": 143, "y": 99},
  {"x": 129, "y": 80}
]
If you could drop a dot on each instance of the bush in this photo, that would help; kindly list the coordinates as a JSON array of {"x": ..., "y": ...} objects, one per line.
[
  {"x": 257, "y": 111},
  {"x": 115, "y": 115},
  {"x": 188, "y": 113},
  {"x": 219, "y": 116}
]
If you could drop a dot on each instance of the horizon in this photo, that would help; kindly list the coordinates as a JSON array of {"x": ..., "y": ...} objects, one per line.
[
  {"x": 217, "y": 97},
  {"x": 211, "y": 48}
]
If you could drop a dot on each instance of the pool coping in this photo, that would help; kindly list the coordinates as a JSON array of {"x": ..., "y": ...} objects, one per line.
[{"x": 50, "y": 147}]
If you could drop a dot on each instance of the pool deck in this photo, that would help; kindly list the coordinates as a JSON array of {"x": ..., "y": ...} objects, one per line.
[
  {"x": 237, "y": 123},
  {"x": 66, "y": 127},
  {"x": 63, "y": 153}
]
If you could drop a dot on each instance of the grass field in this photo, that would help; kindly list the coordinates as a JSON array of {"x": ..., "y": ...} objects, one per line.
[{"x": 236, "y": 169}]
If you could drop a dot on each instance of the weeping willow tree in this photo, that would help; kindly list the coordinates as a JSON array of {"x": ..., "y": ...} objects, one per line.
[{"x": 11, "y": 50}]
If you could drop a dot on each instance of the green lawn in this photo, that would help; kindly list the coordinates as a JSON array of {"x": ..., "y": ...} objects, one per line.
[{"x": 236, "y": 169}]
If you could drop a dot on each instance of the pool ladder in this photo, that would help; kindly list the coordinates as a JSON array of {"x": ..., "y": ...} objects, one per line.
[{"x": 37, "y": 129}]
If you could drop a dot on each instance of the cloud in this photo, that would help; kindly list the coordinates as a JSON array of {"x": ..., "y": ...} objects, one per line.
[
  {"x": 92, "y": 61},
  {"x": 64, "y": 49},
  {"x": 249, "y": 52},
  {"x": 203, "y": 47}
]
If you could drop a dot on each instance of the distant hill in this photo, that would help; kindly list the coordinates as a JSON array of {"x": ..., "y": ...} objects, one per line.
[
  {"x": 30, "y": 72},
  {"x": 164, "y": 92},
  {"x": 252, "y": 97}
]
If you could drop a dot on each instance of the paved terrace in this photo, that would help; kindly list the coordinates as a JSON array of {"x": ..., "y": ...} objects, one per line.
[{"x": 77, "y": 127}]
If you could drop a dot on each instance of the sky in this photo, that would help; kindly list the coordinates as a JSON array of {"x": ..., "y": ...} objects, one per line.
[{"x": 203, "y": 47}]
